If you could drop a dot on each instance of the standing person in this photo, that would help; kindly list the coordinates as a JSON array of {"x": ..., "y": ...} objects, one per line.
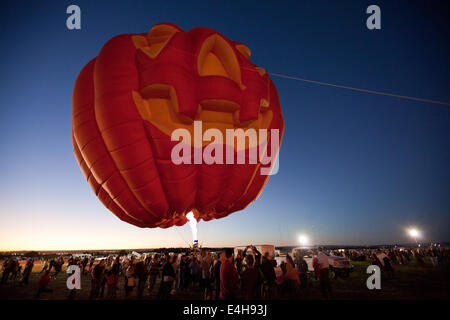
[
  {"x": 16, "y": 270},
  {"x": 45, "y": 266},
  {"x": 113, "y": 279},
  {"x": 175, "y": 266},
  {"x": 130, "y": 280},
  {"x": 168, "y": 277},
  {"x": 251, "y": 280},
  {"x": 302, "y": 270},
  {"x": 27, "y": 271},
  {"x": 97, "y": 275},
  {"x": 57, "y": 265},
  {"x": 110, "y": 282},
  {"x": 324, "y": 275},
  {"x": 381, "y": 255},
  {"x": 228, "y": 277},
  {"x": 106, "y": 273},
  {"x": 141, "y": 273},
  {"x": 392, "y": 256},
  {"x": 419, "y": 259},
  {"x": 290, "y": 278},
  {"x": 268, "y": 272},
  {"x": 103, "y": 283},
  {"x": 153, "y": 272},
  {"x": 239, "y": 259},
  {"x": 91, "y": 263},
  {"x": 388, "y": 267},
  {"x": 7, "y": 269},
  {"x": 399, "y": 257},
  {"x": 280, "y": 270},
  {"x": 375, "y": 261},
  {"x": 256, "y": 254},
  {"x": 43, "y": 283},
  {"x": 316, "y": 267},
  {"x": 84, "y": 264},
  {"x": 433, "y": 257},
  {"x": 51, "y": 264},
  {"x": 206, "y": 274},
  {"x": 407, "y": 255},
  {"x": 215, "y": 275},
  {"x": 193, "y": 266},
  {"x": 184, "y": 273}
]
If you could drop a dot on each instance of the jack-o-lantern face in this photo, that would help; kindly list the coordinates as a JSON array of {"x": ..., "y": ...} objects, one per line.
[
  {"x": 209, "y": 79},
  {"x": 129, "y": 100}
]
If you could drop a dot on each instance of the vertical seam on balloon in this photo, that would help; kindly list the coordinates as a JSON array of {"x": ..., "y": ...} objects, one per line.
[
  {"x": 100, "y": 185},
  {"x": 138, "y": 200},
  {"x": 152, "y": 147},
  {"x": 129, "y": 214},
  {"x": 133, "y": 220}
]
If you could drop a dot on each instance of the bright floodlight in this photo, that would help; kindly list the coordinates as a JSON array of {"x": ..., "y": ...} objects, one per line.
[
  {"x": 303, "y": 240},
  {"x": 414, "y": 233}
]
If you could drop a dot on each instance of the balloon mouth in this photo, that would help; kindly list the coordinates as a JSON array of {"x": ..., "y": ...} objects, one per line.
[{"x": 158, "y": 104}]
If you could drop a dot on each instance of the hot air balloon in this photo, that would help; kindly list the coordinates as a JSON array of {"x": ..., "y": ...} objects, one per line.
[{"x": 139, "y": 89}]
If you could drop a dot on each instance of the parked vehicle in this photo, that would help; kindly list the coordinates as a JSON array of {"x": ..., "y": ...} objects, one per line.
[{"x": 339, "y": 266}]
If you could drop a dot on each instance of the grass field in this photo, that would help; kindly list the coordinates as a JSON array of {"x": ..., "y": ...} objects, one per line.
[{"x": 410, "y": 281}]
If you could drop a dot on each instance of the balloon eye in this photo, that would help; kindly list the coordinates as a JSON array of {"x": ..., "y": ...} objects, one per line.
[
  {"x": 261, "y": 71},
  {"x": 263, "y": 105},
  {"x": 156, "y": 39},
  {"x": 217, "y": 58},
  {"x": 244, "y": 50}
]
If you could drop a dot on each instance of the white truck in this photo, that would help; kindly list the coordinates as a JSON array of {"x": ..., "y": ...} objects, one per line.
[{"x": 339, "y": 266}]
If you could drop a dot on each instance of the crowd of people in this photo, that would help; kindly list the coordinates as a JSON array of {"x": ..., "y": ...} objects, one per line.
[
  {"x": 387, "y": 258},
  {"x": 219, "y": 275},
  {"x": 225, "y": 275}
]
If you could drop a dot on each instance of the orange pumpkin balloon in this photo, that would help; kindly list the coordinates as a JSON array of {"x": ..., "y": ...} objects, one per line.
[{"x": 137, "y": 91}]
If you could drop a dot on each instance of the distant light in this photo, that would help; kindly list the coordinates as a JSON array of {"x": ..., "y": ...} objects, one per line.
[
  {"x": 414, "y": 233},
  {"x": 303, "y": 240}
]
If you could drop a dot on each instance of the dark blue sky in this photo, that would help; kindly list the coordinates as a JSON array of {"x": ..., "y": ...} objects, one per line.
[{"x": 355, "y": 168}]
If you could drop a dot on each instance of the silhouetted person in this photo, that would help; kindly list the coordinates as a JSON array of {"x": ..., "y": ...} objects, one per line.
[
  {"x": 251, "y": 280},
  {"x": 43, "y": 283},
  {"x": 228, "y": 277},
  {"x": 324, "y": 275},
  {"x": 97, "y": 276},
  {"x": 27, "y": 271},
  {"x": 268, "y": 271},
  {"x": 168, "y": 277}
]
